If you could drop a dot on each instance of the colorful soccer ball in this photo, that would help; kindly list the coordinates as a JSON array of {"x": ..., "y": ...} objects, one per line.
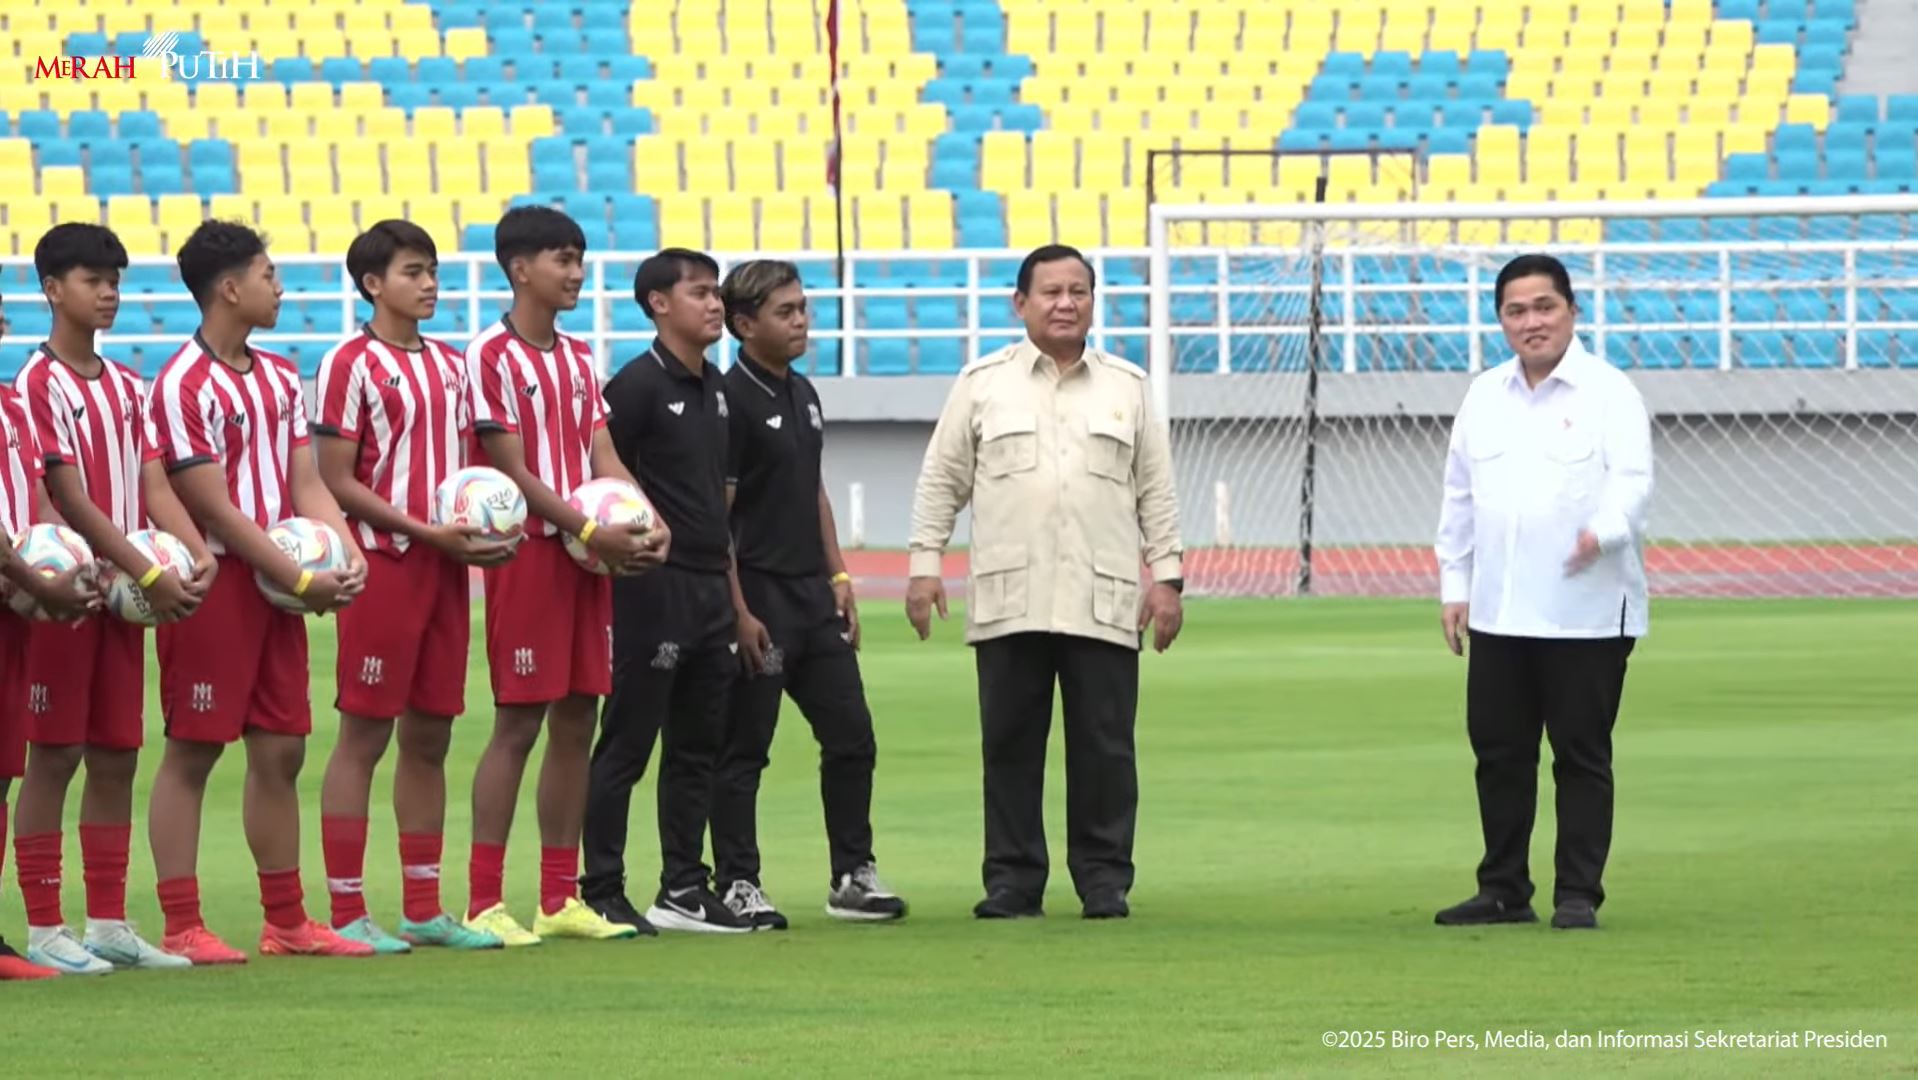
[
  {"x": 483, "y": 499},
  {"x": 48, "y": 550},
  {"x": 609, "y": 502},
  {"x": 124, "y": 597},
  {"x": 312, "y": 545}
]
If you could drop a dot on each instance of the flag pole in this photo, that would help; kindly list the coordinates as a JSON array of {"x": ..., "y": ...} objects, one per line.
[{"x": 833, "y": 15}]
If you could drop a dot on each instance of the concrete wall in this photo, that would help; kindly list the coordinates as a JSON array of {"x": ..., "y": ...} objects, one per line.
[{"x": 1752, "y": 456}]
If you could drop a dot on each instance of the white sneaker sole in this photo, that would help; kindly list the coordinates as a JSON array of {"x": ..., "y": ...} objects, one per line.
[
  {"x": 855, "y": 915},
  {"x": 667, "y": 919},
  {"x": 99, "y": 967},
  {"x": 152, "y": 962}
]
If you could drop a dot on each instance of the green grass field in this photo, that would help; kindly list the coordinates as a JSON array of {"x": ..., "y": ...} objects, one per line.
[{"x": 1307, "y": 804}]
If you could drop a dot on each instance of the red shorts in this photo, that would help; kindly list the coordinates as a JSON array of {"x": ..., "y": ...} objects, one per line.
[
  {"x": 13, "y": 694},
  {"x": 403, "y": 642},
  {"x": 549, "y": 627},
  {"x": 86, "y": 683},
  {"x": 237, "y": 665}
]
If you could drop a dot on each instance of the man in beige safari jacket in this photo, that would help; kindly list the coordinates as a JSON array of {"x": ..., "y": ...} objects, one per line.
[{"x": 1069, "y": 476}]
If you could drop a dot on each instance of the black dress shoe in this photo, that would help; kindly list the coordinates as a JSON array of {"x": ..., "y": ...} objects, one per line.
[
  {"x": 1004, "y": 904},
  {"x": 1483, "y": 910},
  {"x": 1106, "y": 905},
  {"x": 1575, "y": 915}
]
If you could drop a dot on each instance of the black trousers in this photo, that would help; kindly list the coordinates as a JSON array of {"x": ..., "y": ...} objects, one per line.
[
  {"x": 673, "y": 669},
  {"x": 1099, "y": 685},
  {"x": 1570, "y": 689},
  {"x": 814, "y": 661}
]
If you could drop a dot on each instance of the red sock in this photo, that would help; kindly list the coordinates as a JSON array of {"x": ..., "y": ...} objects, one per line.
[
  {"x": 281, "y": 896},
  {"x": 558, "y": 877},
  {"x": 180, "y": 903},
  {"x": 103, "y": 862},
  {"x": 343, "y": 840},
  {"x": 485, "y": 876},
  {"x": 420, "y": 875},
  {"x": 37, "y": 858}
]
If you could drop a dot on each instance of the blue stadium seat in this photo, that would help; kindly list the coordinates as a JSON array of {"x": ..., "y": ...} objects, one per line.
[
  {"x": 410, "y": 96},
  {"x": 436, "y": 69},
  {"x": 628, "y": 69},
  {"x": 484, "y": 69},
  {"x": 1344, "y": 63},
  {"x": 1489, "y": 62},
  {"x": 511, "y": 41},
  {"x": 606, "y": 41},
  {"x": 39, "y": 125},
  {"x": 342, "y": 69},
  {"x": 86, "y": 44},
  {"x": 1448, "y": 141},
  {"x": 561, "y": 41},
  {"x": 58, "y": 151},
  {"x": 1425, "y": 87},
  {"x": 460, "y": 95}
]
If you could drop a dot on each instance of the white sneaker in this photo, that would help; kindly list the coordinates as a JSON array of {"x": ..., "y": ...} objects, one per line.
[
  {"x": 861, "y": 897},
  {"x": 753, "y": 906},
  {"x": 117, "y": 943},
  {"x": 57, "y": 948}
]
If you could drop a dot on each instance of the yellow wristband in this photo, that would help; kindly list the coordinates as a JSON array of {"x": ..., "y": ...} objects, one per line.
[
  {"x": 586, "y": 533},
  {"x": 152, "y": 575},
  {"x": 306, "y": 578},
  {"x": 842, "y": 578}
]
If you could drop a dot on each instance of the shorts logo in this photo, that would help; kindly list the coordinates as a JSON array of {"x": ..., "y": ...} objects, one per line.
[
  {"x": 667, "y": 658},
  {"x": 38, "y": 699},
  {"x": 522, "y": 662},
  {"x": 202, "y": 697},
  {"x": 372, "y": 671},
  {"x": 773, "y": 422},
  {"x": 772, "y": 662}
]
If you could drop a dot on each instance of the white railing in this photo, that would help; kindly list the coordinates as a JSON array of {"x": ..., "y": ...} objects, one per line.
[{"x": 1218, "y": 276}]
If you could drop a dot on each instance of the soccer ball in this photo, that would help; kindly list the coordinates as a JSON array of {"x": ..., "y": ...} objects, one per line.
[
  {"x": 312, "y": 545},
  {"x": 609, "y": 502},
  {"x": 124, "y": 597},
  {"x": 484, "y": 499},
  {"x": 48, "y": 550}
]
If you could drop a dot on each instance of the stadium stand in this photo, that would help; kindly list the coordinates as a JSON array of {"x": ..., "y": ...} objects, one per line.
[{"x": 970, "y": 124}]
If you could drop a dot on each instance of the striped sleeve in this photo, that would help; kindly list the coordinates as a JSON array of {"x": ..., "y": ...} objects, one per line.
[
  {"x": 297, "y": 426},
  {"x": 146, "y": 436},
  {"x": 48, "y": 415},
  {"x": 341, "y": 388},
  {"x": 490, "y": 389},
  {"x": 31, "y": 457},
  {"x": 595, "y": 400},
  {"x": 179, "y": 419}
]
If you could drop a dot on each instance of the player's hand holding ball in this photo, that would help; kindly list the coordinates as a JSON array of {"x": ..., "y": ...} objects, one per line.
[
  {"x": 330, "y": 575},
  {"x": 622, "y": 534},
  {"x": 479, "y": 517},
  {"x": 64, "y": 584},
  {"x": 167, "y": 593}
]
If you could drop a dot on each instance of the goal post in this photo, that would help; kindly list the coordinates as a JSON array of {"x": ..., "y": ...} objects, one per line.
[{"x": 1308, "y": 372}]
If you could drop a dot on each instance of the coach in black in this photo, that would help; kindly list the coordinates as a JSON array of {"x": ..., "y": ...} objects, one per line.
[
  {"x": 797, "y": 622},
  {"x": 673, "y": 637}
]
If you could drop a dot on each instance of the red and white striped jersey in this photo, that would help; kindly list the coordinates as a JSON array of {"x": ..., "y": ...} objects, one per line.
[
  {"x": 100, "y": 426},
  {"x": 249, "y": 424},
  {"x": 549, "y": 399},
  {"x": 409, "y": 414},
  {"x": 20, "y": 468}
]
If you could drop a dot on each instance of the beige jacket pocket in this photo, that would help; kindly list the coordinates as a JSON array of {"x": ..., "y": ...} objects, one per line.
[
  {"x": 1115, "y": 590},
  {"x": 1000, "y": 581},
  {"x": 1008, "y": 442},
  {"x": 1109, "y": 448}
]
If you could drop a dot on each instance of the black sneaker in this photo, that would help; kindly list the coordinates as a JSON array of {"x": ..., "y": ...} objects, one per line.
[
  {"x": 861, "y": 897},
  {"x": 1109, "y": 904},
  {"x": 694, "y": 909},
  {"x": 749, "y": 902},
  {"x": 1005, "y": 904},
  {"x": 1578, "y": 914},
  {"x": 615, "y": 908},
  {"x": 1483, "y": 910}
]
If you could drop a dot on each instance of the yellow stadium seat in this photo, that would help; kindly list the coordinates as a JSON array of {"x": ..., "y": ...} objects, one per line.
[
  {"x": 362, "y": 97},
  {"x": 804, "y": 164},
  {"x": 531, "y": 121},
  {"x": 409, "y": 166},
  {"x": 180, "y": 214},
  {"x": 73, "y": 206},
  {"x": 62, "y": 180},
  {"x": 1695, "y": 164},
  {"x": 733, "y": 224},
  {"x": 280, "y": 213},
  {"x": 682, "y": 221},
  {"x": 1029, "y": 219},
  {"x": 358, "y": 182},
  {"x": 126, "y": 211},
  {"x": 822, "y": 222},
  {"x": 507, "y": 170},
  {"x": 1813, "y": 109},
  {"x": 456, "y": 168},
  {"x": 264, "y": 98},
  {"x": 433, "y": 123},
  {"x": 756, "y": 164},
  {"x": 1054, "y": 160},
  {"x": 1002, "y": 161},
  {"x": 1726, "y": 86},
  {"x": 466, "y": 42},
  {"x": 482, "y": 123},
  {"x": 377, "y": 208},
  {"x": 333, "y": 238},
  {"x": 216, "y": 96},
  {"x": 141, "y": 239},
  {"x": 1610, "y": 113},
  {"x": 309, "y": 168},
  {"x": 929, "y": 220},
  {"x": 1082, "y": 221},
  {"x": 782, "y": 223},
  {"x": 338, "y": 126},
  {"x": 16, "y": 158},
  {"x": 706, "y": 166},
  {"x": 231, "y": 207},
  {"x": 312, "y": 97},
  {"x": 285, "y": 127}
]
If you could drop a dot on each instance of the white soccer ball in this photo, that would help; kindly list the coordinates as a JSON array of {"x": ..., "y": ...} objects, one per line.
[
  {"x": 483, "y": 499},
  {"x": 312, "y": 545},
  {"x": 609, "y": 502},
  {"x": 50, "y": 551},
  {"x": 124, "y": 596}
]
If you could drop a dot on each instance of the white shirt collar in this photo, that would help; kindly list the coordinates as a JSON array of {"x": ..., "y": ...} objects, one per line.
[{"x": 1569, "y": 369}]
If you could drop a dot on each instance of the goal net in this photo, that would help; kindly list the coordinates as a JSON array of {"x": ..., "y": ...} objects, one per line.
[{"x": 1310, "y": 356}]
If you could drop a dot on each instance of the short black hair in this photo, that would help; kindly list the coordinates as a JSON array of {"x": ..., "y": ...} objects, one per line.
[
  {"x": 1534, "y": 266},
  {"x": 669, "y": 267},
  {"x": 73, "y": 244},
  {"x": 216, "y": 249},
  {"x": 373, "y": 251},
  {"x": 1053, "y": 253},
  {"x": 529, "y": 230},
  {"x": 750, "y": 284}
]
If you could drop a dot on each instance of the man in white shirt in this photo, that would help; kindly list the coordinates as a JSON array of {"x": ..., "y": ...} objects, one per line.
[{"x": 1541, "y": 559}]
